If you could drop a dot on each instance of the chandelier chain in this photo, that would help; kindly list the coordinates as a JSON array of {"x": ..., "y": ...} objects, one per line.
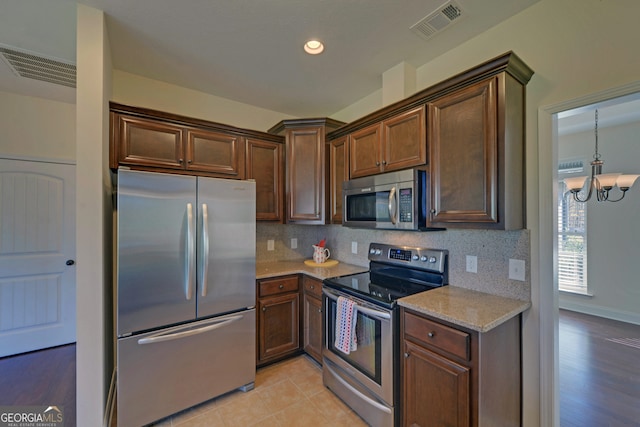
[{"x": 596, "y": 155}]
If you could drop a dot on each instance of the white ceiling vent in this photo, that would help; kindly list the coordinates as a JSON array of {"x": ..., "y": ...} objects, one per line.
[
  {"x": 444, "y": 16},
  {"x": 33, "y": 66}
]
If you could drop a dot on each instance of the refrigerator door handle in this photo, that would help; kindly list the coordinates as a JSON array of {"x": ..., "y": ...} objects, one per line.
[
  {"x": 189, "y": 254},
  {"x": 173, "y": 335},
  {"x": 205, "y": 248}
]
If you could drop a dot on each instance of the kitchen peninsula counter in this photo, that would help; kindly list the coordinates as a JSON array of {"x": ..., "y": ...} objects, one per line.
[
  {"x": 265, "y": 269},
  {"x": 470, "y": 309}
]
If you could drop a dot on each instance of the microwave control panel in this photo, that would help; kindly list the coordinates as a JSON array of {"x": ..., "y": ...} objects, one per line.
[{"x": 405, "y": 201}]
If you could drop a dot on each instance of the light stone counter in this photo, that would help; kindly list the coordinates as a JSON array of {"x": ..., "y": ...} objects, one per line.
[
  {"x": 463, "y": 307},
  {"x": 281, "y": 268}
]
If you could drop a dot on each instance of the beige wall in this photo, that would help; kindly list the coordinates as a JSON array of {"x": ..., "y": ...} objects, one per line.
[
  {"x": 37, "y": 128},
  {"x": 138, "y": 91}
]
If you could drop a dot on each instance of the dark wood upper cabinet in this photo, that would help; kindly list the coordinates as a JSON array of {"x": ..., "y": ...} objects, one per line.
[
  {"x": 146, "y": 142},
  {"x": 476, "y": 155},
  {"x": 264, "y": 163},
  {"x": 307, "y": 165},
  {"x": 153, "y": 140},
  {"x": 398, "y": 142},
  {"x": 339, "y": 172},
  {"x": 404, "y": 140},
  {"x": 469, "y": 131},
  {"x": 364, "y": 151},
  {"x": 215, "y": 152}
]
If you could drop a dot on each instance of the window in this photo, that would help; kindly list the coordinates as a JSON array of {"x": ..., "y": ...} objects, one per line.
[{"x": 572, "y": 234}]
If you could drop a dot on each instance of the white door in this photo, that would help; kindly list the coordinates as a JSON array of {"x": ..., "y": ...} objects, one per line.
[{"x": 37, "y": 255}]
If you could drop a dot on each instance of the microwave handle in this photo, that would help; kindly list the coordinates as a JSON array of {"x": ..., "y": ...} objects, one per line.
[{"x": 393, "y": 206}]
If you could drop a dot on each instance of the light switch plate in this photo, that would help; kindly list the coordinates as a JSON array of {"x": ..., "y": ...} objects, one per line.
[
  {"x": 472, "y": 263},
  {"x": 270, "y": 245},
  {"x": 354, "y": 247},
  {"x": 516, "y": 269},
  {"x": 294, "y": 243}
]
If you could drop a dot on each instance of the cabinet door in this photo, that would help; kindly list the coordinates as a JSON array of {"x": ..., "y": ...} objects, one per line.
[
  {"x": 365, "y": 156},
  {"x": 215, "y": 152},
  {"x": 463, "y": 155},
  {"x": 404, "y": 140},
  {"x": 436, "y": 390},
  {"x": 264, "y": 165},
  {"x": 278, "y": 323},
  {"x": 339, "y": 170},
  {"x": 313, "y": 326},
  {"x": 305, "y": 175},
  {"x": 146, "y": 142}
]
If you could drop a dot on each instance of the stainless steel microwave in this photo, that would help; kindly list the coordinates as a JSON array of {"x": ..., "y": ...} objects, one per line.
[{"x": 392, "y": 201}]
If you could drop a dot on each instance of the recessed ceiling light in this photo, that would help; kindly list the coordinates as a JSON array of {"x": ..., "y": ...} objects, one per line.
[{"x": 313, "y": 47}]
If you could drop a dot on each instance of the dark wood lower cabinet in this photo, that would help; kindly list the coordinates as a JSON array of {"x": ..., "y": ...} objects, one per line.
[
  {"x": 312, "y": 317},
  {"x": 452, "y": 376},
  {"x": 447, "y": 384},
  {"x": 278, "y": 329}
]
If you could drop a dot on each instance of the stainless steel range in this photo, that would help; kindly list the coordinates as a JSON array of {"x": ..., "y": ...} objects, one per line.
[{"x": 365, "y": 373}]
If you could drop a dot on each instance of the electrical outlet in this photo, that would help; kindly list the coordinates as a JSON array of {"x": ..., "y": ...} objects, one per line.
[
  {"x": 354, "y": 247},
  {"x": 270, "y": 245},
  {"x": 516, "y": 269},
  {"x": 472, "y": 263},
  {"x": 294, "y": 243}
]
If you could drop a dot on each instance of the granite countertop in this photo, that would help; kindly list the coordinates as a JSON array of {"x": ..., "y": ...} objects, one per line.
[
  {"x": 470, "y": 309},
  {"x": 281, "y": 268}
]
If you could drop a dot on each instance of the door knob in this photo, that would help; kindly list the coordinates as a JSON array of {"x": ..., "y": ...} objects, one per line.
[{"x": 70, "y": 262}]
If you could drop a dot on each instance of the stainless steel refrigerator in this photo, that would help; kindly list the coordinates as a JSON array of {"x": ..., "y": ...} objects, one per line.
[{"x": 185, "y": 292}]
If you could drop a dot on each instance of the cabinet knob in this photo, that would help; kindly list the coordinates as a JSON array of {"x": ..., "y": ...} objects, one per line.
[
  {"x": 384, "y": 162},
  {"x": 431, "y": 334},
  {"x": 264, "y": 308},
  {"x": 281, "y": 286},
  {"x": 312, "y": 287},
  {"x": 180, "y": 160},
  {"x": 377, "y": 163},
  {"x": 406, "y": 355},
  {"x": 319, "y": 310},
  {"x": 189, "y": 161},
  {"x": 433, "y": 211}
]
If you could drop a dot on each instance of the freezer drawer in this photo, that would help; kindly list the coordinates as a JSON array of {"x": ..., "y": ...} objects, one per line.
[{"x": 164, "y": 372}]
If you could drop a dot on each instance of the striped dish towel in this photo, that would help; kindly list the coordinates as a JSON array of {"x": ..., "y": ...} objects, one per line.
[{"x": 346, "y": 318}]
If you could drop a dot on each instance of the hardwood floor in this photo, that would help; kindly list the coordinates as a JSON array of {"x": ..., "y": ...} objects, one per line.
[
  {"x": 599, "y": 375},
  {"x": 45, "y": 377}
]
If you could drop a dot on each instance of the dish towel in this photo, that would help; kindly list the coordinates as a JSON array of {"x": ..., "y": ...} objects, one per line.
[{"x": 346, "y": 317}]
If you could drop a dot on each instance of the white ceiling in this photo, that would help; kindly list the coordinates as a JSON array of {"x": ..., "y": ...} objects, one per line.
[{"x": 249, "y": 50}]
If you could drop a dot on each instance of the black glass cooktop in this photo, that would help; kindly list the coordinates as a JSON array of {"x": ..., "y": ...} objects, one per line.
[{"x": 383, "y": 285}]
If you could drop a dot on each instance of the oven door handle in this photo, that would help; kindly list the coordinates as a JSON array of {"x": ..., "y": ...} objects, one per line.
[{"x": 362, "y": 309}]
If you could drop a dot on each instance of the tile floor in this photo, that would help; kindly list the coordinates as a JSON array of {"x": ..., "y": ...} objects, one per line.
[{"x": 289, "y": 393}]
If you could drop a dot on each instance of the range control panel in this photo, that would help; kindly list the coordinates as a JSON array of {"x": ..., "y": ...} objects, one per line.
[{"x": 413, "y": 257}]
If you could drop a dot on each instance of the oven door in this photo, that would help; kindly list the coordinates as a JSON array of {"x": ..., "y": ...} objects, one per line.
[{"x": 371, "y": 365}]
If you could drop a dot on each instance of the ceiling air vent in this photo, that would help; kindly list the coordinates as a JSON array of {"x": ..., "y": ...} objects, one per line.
[
  {"x": 437, "y": 21},
  {"x": 33, "y": 66}
]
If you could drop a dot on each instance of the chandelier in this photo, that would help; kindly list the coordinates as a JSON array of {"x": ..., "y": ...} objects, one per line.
[{"x": 599, "y": 183}]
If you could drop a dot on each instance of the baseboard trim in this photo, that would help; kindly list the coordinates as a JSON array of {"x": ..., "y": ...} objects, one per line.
[
  {"x": 608, "y": 313},
  {"x": 111, "y": 399}
]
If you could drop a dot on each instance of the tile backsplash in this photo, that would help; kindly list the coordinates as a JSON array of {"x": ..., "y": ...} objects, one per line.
[{"x": 493, "y": 250}]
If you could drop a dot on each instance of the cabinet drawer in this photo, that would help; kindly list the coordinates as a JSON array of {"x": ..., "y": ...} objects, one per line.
[
  {"x": 312, "y": 286},
  {"x": 443, "y": 337},
  {"x": 278, "y": 285}
]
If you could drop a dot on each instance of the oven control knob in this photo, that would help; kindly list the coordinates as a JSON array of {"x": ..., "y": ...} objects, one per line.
[
  {"x": 432, "y": 259},
  {"x": 378, "y": 251},
  {"x": 423, "y": 258},
  {"x": 372, "y": 251},
  {"x": 415, "y": 257}
]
